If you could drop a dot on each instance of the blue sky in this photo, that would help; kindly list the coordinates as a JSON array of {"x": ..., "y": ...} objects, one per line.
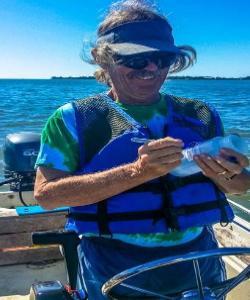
[{"x": 42, "y": 38}]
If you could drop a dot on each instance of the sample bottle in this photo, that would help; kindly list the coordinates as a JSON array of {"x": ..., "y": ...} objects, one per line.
[{"x": 212, "y": 147}]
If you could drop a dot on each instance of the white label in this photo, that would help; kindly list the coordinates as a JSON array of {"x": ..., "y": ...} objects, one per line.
[{"x": 30, "y": 152}]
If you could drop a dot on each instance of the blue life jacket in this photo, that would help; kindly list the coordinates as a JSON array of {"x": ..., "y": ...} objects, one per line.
[{"x": 106, "y": 135}]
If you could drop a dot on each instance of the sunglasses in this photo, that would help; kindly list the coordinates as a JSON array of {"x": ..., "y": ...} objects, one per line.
[{"x": 140, "y": 62}]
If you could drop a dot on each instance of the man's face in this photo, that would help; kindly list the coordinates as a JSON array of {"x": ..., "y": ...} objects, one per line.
[{"x": 137, "y": 86}]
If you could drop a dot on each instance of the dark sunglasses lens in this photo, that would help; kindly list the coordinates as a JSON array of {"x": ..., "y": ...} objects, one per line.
[
  {"x": 164, "y": 61},
  {"x": 136, "y": 63}
]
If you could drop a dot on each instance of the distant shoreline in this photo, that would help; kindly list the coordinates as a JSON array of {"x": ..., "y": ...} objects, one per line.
[{"x": 169, "y": 77}]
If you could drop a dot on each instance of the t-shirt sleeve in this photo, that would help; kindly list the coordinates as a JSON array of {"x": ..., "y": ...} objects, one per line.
[{"x": 59, "y": 143}]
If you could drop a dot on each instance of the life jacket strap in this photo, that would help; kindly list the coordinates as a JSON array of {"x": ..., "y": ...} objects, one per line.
[
  {"x": 166, "y": 202},
  {"x": 196, "y": 208},
  {"x": 224, "y": 220},
  {"x": 116, "y": 217},
  {"x": 102, "y": 218}
]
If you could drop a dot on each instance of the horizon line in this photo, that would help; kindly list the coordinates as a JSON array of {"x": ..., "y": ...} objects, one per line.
[{"x": 91, "y": 76}]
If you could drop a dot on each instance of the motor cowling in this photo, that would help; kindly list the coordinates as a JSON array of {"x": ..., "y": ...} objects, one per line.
[{"x": 20, "y": 152}]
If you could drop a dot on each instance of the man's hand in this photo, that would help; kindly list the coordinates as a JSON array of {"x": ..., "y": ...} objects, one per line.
[
  {"x": 225, "y": 171},
  {"x": 160, "y": 156},
  {"x": 221, "y": 166}
]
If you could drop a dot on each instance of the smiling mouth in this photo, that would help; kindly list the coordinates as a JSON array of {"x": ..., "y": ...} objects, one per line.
[{"x": 144, "y": 75}]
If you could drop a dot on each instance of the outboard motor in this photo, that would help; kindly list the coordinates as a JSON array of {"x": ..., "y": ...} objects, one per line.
[{"x": 20, "y": 152}]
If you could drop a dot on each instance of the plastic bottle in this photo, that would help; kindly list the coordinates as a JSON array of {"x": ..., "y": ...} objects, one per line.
[{"x": 212, "y": 147}]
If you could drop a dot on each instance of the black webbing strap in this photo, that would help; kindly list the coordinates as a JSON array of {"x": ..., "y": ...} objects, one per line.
[
  {"x": 102, "y": 218},
  {"x": 153, "y": 187},
  {"x": 166, "y": 203},
  {"x": 221, "y": 204},
  {"x": 196, "y": 208},
  {"x": 116, "y": 217}
]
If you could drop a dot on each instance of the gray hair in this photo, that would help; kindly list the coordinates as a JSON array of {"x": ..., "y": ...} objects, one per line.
[{"x": 126, "y": 11}]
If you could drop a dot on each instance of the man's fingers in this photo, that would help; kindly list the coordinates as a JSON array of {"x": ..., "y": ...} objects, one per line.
[
  {"x": 173, "y": 158},
  {"x": 168, "y": 146},
  {"x": 157, "y": 153},
  {"x": 219, "y": 164},
  {"x": 241, "y": 159},
  {"x": 217, "y": 167},
  {"x": 229, "y": 166},
  {"x": 162, "y": 157},
  {"x": 206, "y": 170},
  {"x": 164, "y": 143}
]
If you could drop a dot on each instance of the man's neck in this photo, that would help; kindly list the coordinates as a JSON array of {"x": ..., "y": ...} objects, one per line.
[{"x": 133, "y": 101}]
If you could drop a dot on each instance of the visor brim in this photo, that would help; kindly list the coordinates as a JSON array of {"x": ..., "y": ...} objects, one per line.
[{"x": 128, "y": 49}]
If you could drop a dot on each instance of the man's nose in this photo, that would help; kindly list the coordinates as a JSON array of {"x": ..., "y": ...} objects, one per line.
[{"x": 151, "y": 67}]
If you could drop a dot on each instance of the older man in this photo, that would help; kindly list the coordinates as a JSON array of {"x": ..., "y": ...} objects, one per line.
[{"x": 110, "y": 156}]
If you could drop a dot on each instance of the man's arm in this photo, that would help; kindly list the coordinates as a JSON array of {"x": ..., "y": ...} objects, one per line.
[{"x": 55, "y": 188}]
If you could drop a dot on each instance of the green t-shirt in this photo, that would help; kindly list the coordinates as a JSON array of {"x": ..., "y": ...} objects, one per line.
[{"x": 60, "y": 150}]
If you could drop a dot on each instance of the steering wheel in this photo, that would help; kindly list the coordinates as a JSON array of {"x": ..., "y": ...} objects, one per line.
[{"x": 201, "y": 293}]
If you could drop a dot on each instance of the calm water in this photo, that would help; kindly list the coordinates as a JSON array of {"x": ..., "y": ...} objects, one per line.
[{"x": 26, "y": 104}]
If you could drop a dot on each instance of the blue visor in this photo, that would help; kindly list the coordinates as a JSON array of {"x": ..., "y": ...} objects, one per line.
[{"x": 140, "y": 37}]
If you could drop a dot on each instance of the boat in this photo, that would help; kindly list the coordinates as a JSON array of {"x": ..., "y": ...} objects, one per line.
[{"x": 27, "y": 258}]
